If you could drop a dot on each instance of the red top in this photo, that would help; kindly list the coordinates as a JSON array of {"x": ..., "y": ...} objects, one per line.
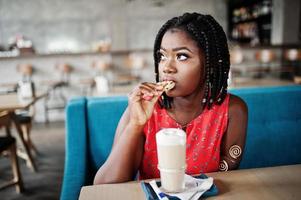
[{"x": 204, "y": 135}]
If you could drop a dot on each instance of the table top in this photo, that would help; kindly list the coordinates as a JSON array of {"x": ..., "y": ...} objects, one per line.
[
  {"x": 283, "y": 182},
  {"x": 11, "y": 102}
]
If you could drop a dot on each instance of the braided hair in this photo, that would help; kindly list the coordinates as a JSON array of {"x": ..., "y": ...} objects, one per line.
[{"x": 211, "y": 38}]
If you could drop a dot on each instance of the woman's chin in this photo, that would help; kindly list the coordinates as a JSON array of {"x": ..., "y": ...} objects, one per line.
[{"x": 171, "y": 93}]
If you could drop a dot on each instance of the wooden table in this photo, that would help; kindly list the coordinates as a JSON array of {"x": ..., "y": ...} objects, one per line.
[
  {"x": 282, "y": 182},
  {"x": 10, "y": 103}
]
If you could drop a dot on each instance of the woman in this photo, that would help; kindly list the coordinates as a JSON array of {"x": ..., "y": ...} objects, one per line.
[{"x": 191, "y": 51}]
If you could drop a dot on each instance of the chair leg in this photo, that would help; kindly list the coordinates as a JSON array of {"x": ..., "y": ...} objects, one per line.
[
  {"x": 26, "y": 134},
  {"x": 7, "y": 129},
  {"x": 29, "y": 159},
  {"x": 46, "y": 108},
  {"x": 16, "y": 170}
]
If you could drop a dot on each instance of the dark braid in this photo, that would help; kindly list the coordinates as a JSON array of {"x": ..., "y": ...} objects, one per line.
[
  {"x": 223, "y": 74},
  {"x": 211, "y": 38}
]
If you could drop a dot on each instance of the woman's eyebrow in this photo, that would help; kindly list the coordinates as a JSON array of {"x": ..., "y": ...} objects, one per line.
[{"x": 177, "y": 49}]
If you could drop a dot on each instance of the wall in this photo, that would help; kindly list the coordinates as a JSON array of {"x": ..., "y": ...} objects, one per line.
[
  {"x": 75, "y": 24},
  {"x": 277, "y": 22},
  {"x": 291, "y": 21},
  {"x": 286, "y": 21}
]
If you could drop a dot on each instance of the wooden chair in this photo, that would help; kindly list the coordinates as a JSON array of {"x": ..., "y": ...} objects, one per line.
[
  {"x": 99, "y": 67},
  {"x": 25, "y": 120},
  {"x": 26, "y": 70},
  {"x": 103, "y": 74},
  {"x": 8, "y": 145},
  {"x": 25, "y": 117},
  {"x": 55, "y": 87},
  {"x": 87, "y": 85}
]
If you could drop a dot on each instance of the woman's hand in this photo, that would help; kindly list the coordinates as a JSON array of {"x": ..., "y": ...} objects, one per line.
[{"x": 142, "y": 101}]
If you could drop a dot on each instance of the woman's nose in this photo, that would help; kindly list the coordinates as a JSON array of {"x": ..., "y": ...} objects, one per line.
[{"x": 169, "y": 67}]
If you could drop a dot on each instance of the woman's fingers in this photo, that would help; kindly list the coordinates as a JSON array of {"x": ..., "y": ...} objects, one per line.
[
  {"x": 142, "y": 100},
  {"x": 149, "y": 90},
  {"x": 146, "y": 91}
]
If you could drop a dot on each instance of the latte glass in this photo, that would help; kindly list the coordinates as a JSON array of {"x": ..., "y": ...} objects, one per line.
[{"x": 171, "y": 150}]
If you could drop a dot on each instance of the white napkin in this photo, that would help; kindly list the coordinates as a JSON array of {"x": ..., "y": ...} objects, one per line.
[{"x": 194, "y": 188}]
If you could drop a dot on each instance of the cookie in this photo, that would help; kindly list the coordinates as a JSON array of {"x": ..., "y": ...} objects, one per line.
[{"x": 168, "y": 85}]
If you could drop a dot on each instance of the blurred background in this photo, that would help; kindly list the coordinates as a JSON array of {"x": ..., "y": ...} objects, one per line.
[{"x": 52, "y": 51}]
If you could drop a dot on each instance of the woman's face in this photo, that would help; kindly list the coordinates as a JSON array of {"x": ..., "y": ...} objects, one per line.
[{"x": 181, "y": 61}]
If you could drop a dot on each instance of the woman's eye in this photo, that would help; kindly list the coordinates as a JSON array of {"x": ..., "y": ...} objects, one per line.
[
  {"x": 162, "y": 56},
  {"x": 182, "y": 57}
]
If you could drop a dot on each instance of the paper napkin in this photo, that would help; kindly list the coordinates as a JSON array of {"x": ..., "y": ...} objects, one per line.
[{"x": 195, "y": 187}]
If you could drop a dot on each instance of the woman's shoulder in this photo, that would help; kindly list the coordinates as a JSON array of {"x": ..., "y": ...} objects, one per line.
[{"x": 237, "y": 106}]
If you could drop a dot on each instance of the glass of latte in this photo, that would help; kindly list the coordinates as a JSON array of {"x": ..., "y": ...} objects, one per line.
[{"x": 171, "y": 150}]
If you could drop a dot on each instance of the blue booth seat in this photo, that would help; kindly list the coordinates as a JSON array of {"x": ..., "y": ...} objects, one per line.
[{"x": 273, "y": 134}]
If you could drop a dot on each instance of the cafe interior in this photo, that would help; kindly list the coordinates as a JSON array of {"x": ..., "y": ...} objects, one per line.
[{"x": 66, "y": 68}]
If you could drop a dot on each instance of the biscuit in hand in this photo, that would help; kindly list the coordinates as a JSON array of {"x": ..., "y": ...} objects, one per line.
[{"x": 167, "y": 85}]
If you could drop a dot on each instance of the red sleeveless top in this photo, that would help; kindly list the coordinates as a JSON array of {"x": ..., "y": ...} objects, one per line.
[{"x": 204, "y": 135}]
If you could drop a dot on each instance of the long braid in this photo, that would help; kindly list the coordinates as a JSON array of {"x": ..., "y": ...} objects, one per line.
[
  {"x": 222, "y": 56},
  {"x": 211, "y": 38},
  {"x": 201, "y": 36},
  {"x": 215, "y": 66}
]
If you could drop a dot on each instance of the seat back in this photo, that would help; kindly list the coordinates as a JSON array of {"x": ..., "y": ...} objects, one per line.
[
  {"x": 103, "y": 115},
  {"x": 273, "y": 134}
]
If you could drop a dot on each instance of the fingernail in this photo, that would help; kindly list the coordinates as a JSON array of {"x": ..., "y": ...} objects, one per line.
[{"x": 147, "y": 98}]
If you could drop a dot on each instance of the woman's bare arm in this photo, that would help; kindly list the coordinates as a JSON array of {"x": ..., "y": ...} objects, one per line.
[
  {"x": 233, "y": 141},
  {"x": 124, "y": 120},
  {"x": 125, "y": 157}
]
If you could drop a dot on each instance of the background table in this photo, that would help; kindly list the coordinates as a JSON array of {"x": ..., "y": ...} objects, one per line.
[
  {"x": 10, "y": 103},
  {"x": 282, "y": 182}
]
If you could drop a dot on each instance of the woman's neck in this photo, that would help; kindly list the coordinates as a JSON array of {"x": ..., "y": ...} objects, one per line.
[
  {"x": 190, "y": 102},
  {"x": 185, "y": 109}
]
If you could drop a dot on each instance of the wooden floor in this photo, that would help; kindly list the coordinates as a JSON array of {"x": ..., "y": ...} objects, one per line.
[{"x": 46, "y": 183}]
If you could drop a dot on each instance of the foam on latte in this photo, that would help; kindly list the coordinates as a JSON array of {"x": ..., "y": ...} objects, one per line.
[{"x": 171, "y": 136}]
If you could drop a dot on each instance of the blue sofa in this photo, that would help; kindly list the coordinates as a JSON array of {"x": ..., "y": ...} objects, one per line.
[{"x": 273, "y": 135}]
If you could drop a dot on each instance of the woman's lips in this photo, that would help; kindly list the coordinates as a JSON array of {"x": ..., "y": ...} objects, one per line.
[{"x": 168, "y": 79}]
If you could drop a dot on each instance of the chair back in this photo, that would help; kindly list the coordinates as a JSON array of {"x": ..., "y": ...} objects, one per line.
[
  {"x": 103, "y": 115},
  {"x": 26, "y": 70},
  {"x": 273, "y": 134},
  {"x": 64, "y": 71}
]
